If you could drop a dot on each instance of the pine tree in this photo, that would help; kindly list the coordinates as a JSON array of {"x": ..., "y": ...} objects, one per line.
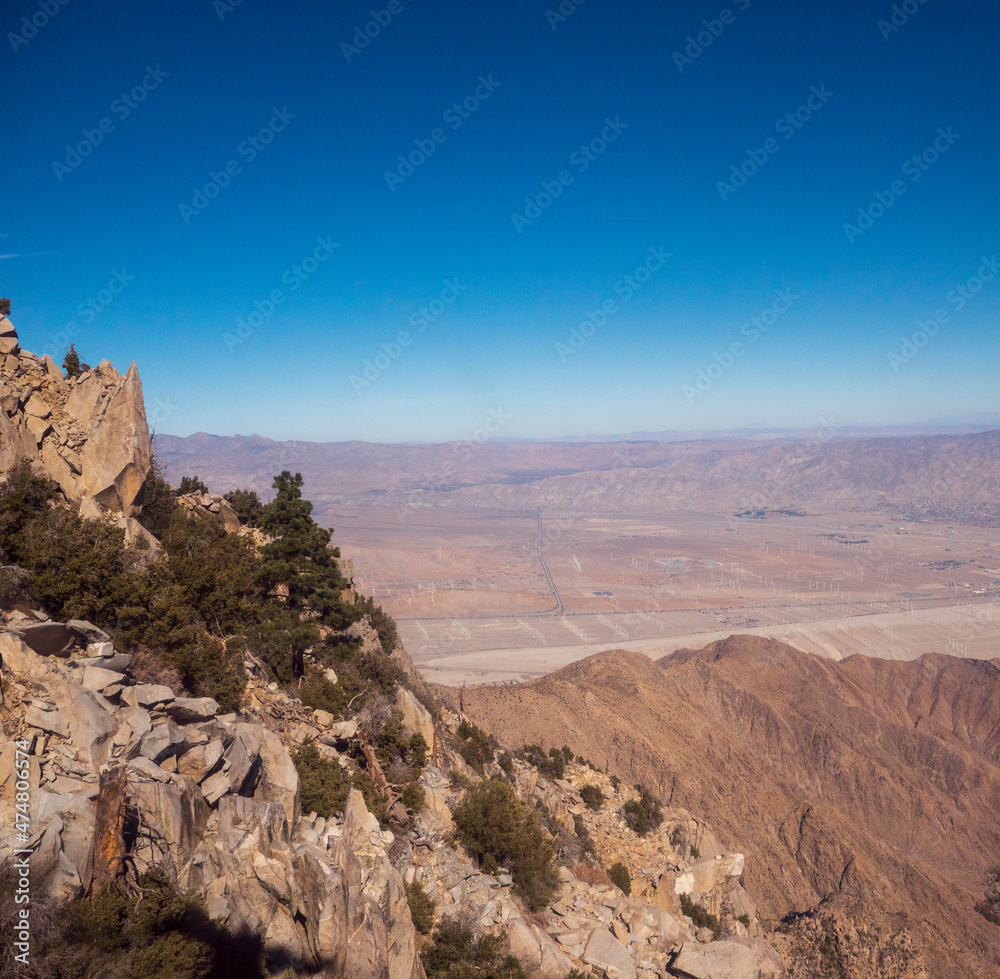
[{"x": 71, "y": 362}]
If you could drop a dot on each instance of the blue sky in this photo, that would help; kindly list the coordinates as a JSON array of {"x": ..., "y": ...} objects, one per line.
[{"x": 833, "y": 178}]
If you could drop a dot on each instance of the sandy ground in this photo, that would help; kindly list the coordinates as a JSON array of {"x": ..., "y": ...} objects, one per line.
[{"x": 960, "y": 630}]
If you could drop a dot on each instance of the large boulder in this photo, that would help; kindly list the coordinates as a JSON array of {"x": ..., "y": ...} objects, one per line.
[
  {"x": 118, "y": 453},
  {"x": 732, "y": 959}
]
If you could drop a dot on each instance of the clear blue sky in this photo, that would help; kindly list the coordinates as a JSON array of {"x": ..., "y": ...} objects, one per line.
[{"x": 663, "y": 132}]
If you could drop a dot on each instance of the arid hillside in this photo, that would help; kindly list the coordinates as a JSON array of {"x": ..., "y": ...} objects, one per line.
[{"x": 869, "y": 786}]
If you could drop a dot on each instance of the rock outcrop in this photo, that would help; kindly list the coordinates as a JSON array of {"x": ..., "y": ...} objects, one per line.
[
  {"x": 217, "y": 804},
  {"x": 88, "y": 433}
]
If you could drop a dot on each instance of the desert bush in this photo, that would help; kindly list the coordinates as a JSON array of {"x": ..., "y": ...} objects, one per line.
[
  {"x": 455, "y": 954},
  {"x": 421, "y": 907},
  {"x": 551, "y": 764},
  {"x": 506, "y": 763},
  {"x": 700, "y": 916},
  {"x": 592, "y": 796},
  {"x": 474, "y": 745},
  {"x": 621, "y": 878},
  {"x": 591, "y": 873},
  {"x": 492, "y": 822},
  {"x": 323, "y": 783},
  {"x": 160, "y": 935},
  {"x": 643, "y": 814},
  {"x": 583, "y": 835}
]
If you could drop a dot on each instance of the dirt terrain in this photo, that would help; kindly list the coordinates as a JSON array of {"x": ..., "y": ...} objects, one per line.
[
  {"x": 862, "y": 780},
  {"x": 502, "y": 561}
]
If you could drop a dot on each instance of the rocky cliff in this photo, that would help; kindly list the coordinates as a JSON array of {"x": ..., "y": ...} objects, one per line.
[{"x": 88, "y": 433}]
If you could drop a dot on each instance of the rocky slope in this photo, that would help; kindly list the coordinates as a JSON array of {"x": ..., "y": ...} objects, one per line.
[
  {"x": 216, "y": 804},
  {"x": 866, "y": 788}
]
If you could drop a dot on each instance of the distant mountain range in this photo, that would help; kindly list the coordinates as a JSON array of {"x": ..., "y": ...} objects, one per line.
[{"x": 957, "y": 472}]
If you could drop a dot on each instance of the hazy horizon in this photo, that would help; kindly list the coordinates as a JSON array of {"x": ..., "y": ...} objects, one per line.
[{"x": 393, "y": 222}]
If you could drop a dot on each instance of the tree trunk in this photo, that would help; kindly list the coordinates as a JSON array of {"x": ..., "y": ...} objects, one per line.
[{"x": 109, "y": 854}]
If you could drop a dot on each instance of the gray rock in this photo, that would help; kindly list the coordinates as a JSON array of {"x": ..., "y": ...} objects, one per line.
[
  {"x": 604, "y": 951},
  {"x": 46, "y": 720},
  {"x": 102, "y": 649},
  {"x": 746, "y": 959},
  {"x": 163, "y": 741},
  {"x": 88, "y": 632},
  {"x": 48, "y": 638},
  {"x": 96, "y": 678},
  {"x": 147, "y": 695},
  {"x": 242, "y": 759},
  {"x": 189, "y": 710},
  {"x": 120, "y": 662},
  {"x": 215, "y": 787}
]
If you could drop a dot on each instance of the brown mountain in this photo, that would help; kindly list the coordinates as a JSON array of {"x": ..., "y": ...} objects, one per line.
[
  {"x": 950, "y": 471},
  {"x": 869, "y": 786}
]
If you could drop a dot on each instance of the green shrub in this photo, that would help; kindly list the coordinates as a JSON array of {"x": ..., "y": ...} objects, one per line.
[
  {"x": 246, "y": 505},
  {"x": 744, "y": 919},
  {"x": 162, "y": 935},
  {"x": 506, "y": 763},
  {"x": 643, "y": 814},
  {"x": 492, "y": 822},
  {"x": 583, "y": 835},
  {"x": 474, "y": 745},
  {"x": 191, "y": 484},
  {"x": 621, "y": 878},
  {"x": 421, "y": 907},
  {"x": 701, "y": 917},
  {"x": 414, "y": 796},
  {"x": 323, "y": 783},
  {"x": 455, "y": 954},
  {"x": 592, "y": 796},
  {"x": 551, "y": 764},
  {"x": 4, "y": 307}
]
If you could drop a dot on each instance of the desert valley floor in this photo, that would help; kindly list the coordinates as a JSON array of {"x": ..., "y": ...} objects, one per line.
[{"x": 497, "y": 596}]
